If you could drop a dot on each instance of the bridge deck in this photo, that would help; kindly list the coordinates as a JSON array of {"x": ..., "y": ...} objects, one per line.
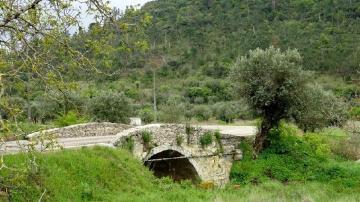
[
  {"x": 241, "y": 131},
  {"x": 77, "y": 142}
]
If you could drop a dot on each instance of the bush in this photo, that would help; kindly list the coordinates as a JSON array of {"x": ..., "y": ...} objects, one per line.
[
  {"x": 112, "y": 107},
  {"x": 128, "y": 144},
  {"x": 355, "y": 113},
  {"x": 44, "y": 109},
  {"x": 321, "y": 109},
  {"x": 347, "y": 146},
  {"x": 179, "y": 140},
  {"x": 146, "y": 137},
  {"x": 198, "y": 94},
  {"x": 229, "y": 111},
  {"x": 146, "y": 115},
  {"x": 206, "y": 139},
  {"x": 70, "y": 118},
  {"x": 173, "y": 111},
  {"x": 201, "y": 113},
  {"x": 293, "y": 158}
]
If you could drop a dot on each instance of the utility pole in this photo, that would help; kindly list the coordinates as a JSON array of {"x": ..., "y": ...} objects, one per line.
[{"x": 154, "y": 93}]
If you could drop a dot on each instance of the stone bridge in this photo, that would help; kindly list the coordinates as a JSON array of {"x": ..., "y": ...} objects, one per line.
[
  {"x": 200, "y": 153},
  {"x": 183, "y": 152}
]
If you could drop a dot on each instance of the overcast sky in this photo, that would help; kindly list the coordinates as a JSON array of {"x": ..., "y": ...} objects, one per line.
[{"x": 123, "y": 3}]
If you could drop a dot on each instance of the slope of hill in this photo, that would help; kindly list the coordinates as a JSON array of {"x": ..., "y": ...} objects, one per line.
[{"x": 212, "y": 33}]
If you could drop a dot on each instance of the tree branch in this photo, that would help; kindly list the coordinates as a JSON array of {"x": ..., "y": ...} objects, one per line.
[{"x": 17, "y": 14}]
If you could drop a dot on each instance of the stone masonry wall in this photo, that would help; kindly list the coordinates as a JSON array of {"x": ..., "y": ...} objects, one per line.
[
  {"x": 211, "y": 163},
  {"x": 84, "y": 130}
]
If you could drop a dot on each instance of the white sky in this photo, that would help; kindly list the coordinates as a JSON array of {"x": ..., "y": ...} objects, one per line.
[{"x": 123, "y": 3}]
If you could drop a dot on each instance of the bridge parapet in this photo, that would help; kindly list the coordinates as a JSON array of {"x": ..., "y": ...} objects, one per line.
[{"x": 83, "y": 130}]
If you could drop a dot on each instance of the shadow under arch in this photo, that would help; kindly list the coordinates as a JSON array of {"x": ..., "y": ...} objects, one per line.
[{"x": 177, "y": 169}]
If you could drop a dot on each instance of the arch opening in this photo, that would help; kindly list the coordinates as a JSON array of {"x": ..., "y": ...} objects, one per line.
[{"x": 177, "y": 169}]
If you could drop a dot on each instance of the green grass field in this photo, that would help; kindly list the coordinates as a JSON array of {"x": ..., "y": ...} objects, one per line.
[{"x": 104, "y": 174}]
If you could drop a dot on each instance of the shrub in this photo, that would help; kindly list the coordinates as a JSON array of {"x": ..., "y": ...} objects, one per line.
[
  {"x": 70, "y": 118},
  {"x": 318, "y": 144},
  {"x": 147, "y": 115},
  {"x": 189, "y": 131},
  {"x": 217, "y": 136},
  {"x": 198, "y": 94},
  {"x": 112, "y": 107},
  {"x": 321, "y": 109},
  {"x": 173, "y": 111},
  {"x": 44, "y": 109},
  {"x": 146, "y": 137},
  {"x": 201, "y": 113},
  {"x": 247, "y": 148},
  {"x": 179, "y": 140},
  {"x": 225, "y": 111},
  {"x": 206, "y": 139},
  {"x": 128, "y": 144},
  {"x": 355, "y": 113},
  {"x": 292, "y": 158},
  {"x": 347, "y": 147}
]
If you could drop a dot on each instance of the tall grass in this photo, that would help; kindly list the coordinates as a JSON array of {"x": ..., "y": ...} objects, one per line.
[{"x": 105, "y": 174}]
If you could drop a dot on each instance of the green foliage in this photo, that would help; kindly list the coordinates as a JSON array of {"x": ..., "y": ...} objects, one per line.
[
  {"x": 318, "y": 144},
  {"x": 146, "y": 115},
  {"x": 69, "y": 118},
  {"x": 293, "y": 158},
  {"x": 179, "y": 140},
  {"x": 95, "y": 174},
  {"x": 217, "y": 136},
  {"x": 247, "y": 149},
  {"x": 318, "y": 109},
  {"x": 128, "y": 144},
  {"x": 146, "y": 137},
  {"x": 198, "y": 95},
  {"x": 229, "y": 111},
  {"x": 201, "y": 112},
  {"x": 104, "y": 174},
  {"x": 189, "y": 132},
  {"x": 344, "y": 144},
  {"x": 275, "y": 86},
  {"x": 206, "y": 139},
  {"x": 326, "y": 41},
  {"x": 110, "y": 106},
  {"x": 270, "y": 81},
  {"x": 172, "y": 111},
  {"x": 355, "y": 113}
]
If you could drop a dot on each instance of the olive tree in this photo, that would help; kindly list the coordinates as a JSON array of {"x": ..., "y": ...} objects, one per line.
[
  {"x": 276, "y": 87},
  {"x": 317, "y": 108}
]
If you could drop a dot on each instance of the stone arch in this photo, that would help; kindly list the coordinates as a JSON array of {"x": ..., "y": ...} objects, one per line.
[{"x": 177, "y": 169}]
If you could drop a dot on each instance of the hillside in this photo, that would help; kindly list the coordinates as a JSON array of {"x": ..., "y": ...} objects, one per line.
[
  {"x": 190, "y": 47},
  {"x": 211, "y": 34}
]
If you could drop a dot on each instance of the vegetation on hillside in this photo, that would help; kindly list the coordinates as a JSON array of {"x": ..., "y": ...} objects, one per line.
[
  {"x": 184, "y": 61},
  {"x": 190, "y": 47}
]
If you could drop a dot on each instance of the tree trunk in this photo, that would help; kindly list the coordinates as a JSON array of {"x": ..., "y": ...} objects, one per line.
[{"x": 260, "y": 139}]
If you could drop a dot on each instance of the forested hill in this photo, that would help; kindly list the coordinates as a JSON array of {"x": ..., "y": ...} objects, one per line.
[{"x": 211, "y": 34}]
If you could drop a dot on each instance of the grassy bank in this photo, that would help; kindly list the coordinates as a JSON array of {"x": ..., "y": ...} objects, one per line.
[{"x": 103, "y": 174}]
